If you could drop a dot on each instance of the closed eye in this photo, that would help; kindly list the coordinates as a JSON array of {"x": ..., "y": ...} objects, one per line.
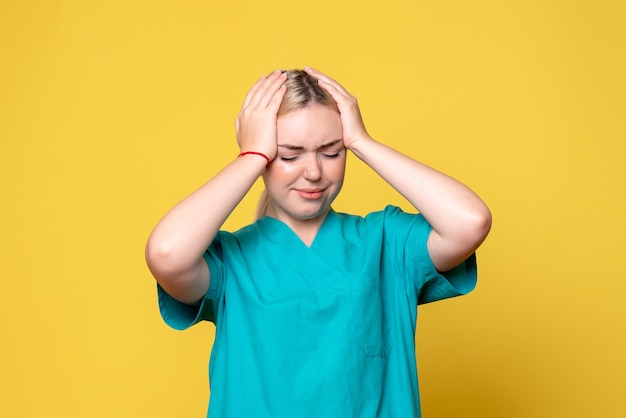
[
  {"x": 332, "y": 155},
  {"x": 324, "y": 154}
]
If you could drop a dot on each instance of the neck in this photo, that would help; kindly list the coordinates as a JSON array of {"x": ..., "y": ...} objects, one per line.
[{"x": 305, "y": 229}]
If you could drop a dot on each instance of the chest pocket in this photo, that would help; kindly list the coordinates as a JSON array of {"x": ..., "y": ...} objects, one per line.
[{"x": 371, "y": 318}]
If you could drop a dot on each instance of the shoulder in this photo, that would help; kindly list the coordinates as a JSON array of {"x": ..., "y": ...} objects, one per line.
[
  {"x": 349, "y": 218},
  {"x": 388, "y": 216},
  {"x": 245, "y": 237},
  {"x": 390, "y": 221}
]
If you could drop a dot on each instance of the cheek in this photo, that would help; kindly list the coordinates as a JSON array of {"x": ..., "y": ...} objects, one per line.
[
  {"x": 280, "y": 172},
  {"x": 286, "y": 171},
  {"x": 289, "y": 169},
  {"x": 336, "y": 168}
]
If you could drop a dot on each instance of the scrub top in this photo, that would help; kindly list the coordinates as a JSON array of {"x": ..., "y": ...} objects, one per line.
[{"x": 320, "y": 331}]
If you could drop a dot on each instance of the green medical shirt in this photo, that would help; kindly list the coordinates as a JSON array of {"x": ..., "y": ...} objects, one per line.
[{"x": 320, "y": 331}]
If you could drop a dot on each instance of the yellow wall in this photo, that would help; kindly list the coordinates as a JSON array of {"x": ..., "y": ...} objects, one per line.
[{"x": 112, "y": 111}]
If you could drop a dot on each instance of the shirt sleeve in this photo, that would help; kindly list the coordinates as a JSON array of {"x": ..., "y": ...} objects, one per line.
[
  {"x": 409, "y": 233},
  {"x": 457, "y": 282},
  {"x": 181, "y": 316}
]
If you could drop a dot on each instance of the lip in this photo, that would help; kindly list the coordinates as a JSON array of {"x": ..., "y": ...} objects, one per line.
[{"x": 310, "y": 194}]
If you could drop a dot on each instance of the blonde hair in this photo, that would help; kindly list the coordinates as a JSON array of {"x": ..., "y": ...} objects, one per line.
[{"x": 302, "y": 91}]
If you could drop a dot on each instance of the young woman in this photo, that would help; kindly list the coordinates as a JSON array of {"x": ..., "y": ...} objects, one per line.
[{"x": 315, "y": 310}]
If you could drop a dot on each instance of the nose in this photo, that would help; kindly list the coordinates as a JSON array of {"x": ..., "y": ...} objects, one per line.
[{"x": 312, "y": 168}]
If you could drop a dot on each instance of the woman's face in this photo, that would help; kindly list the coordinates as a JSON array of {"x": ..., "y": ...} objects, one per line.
[{"x": 308, "y": 171}]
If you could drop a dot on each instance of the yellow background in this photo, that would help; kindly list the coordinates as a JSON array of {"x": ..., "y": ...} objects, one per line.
[{"x": 112, "y": 111}]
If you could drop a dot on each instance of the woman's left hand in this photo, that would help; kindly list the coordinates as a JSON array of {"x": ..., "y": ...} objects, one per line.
[{"x": 351, "y": 120}]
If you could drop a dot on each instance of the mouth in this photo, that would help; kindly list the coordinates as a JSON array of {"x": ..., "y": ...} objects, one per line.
[{"x": 310, "y": 194}]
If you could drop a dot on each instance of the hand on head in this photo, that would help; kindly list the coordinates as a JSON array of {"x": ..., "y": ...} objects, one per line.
[
  {"x": 256, "y": 122},
  {"x": 351, "y": 120}
]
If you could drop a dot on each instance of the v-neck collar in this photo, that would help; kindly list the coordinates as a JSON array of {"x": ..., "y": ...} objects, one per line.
[
  {"x": 330, "y": 246},
  {"x": 268, "y": 222}
]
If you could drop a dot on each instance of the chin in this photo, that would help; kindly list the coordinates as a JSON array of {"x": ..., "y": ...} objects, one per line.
[{"x": 310, "y": 214}]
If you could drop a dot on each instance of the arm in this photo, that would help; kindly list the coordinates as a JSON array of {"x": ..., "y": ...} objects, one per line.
[
  {"x": 175, "y": 248},
  {"x": 460, "y": 220}
]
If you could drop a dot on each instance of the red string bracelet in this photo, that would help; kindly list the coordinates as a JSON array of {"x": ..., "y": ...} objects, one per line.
[{"x": 256, "y": 153}]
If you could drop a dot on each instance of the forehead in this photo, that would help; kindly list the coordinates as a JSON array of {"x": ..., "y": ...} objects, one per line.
[{"x": 309, "y": 126}]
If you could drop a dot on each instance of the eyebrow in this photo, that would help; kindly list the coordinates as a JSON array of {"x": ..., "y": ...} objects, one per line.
[{"x": 300, "y": 148}]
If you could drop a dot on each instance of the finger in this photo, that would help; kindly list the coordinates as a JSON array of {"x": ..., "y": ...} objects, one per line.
[
  {"x": 340, "y": 96},
  {"x": 316, "y": 73},
  {"x": 277, "y": 99},
  {"x": 253, "y": 91},
  {"x": 277, "y": 82},
  {"x": 256, "y": 88},
  {"x": 270, "y": 85},
  {"x": 326, "y": 79}
]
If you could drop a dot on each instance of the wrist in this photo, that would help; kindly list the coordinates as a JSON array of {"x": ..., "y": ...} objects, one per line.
[
  {"x": 358, "y": 143},
  {"x": 256, "y": 154}
]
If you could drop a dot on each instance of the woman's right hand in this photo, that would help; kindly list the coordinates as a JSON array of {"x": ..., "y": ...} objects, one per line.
[
  {"x": 175, "y": 249},
  {"x": 256, "y": 122}
]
